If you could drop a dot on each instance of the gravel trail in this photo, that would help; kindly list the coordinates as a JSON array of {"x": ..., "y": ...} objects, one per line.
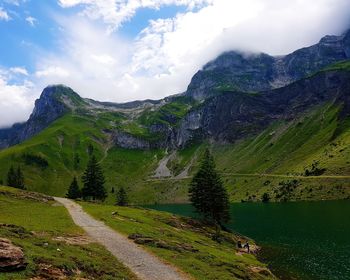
[{"x": 145, "y": 265}]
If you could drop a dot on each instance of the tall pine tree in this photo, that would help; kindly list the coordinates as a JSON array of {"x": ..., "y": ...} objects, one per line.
[
  {"x": 11, "y": 177},
  {"x": 74, "y": 190},
  {"x": 19, "y": 179},
  {"x": 15, "y": 178},
  {"x": 122, "y": 198},
  {"x": 207, "y": 193},
  {"x": 94, "y": 181}
]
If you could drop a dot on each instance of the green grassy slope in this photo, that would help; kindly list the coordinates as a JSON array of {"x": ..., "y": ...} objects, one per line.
[
  {"x": 64, "y": 148},
  {"x": 183, "y": 242},
  {"x": 39, "y": 227},
  {"x": 280, "y": 154},
  {"x": 316, "y": 140}
]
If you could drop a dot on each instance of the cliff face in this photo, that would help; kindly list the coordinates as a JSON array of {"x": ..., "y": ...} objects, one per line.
[{"x": 235, "y": 115}]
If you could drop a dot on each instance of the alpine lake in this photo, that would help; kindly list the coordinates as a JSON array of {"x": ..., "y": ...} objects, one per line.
[{"x": 299, "y": 240}]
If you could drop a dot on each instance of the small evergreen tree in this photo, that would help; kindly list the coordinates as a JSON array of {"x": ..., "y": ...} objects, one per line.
[
  {"x": 207, "y": 193},
  {"x": 74, "y": 190},
  {"x": 122, "y": 198},
  {"x": 94, "y": 181},
  {"x": 11, "y": 177},
  {"x": 15, "y": 178},
  {"x": 265, "y": 197},
  {"x": 19, "y": 179}
]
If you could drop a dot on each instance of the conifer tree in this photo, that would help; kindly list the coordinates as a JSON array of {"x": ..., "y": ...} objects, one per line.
[
  {"x": 74, "y": 190},
  {"x": 11, "y": 177},
  {"x": 15, "y": 178},
  {"x": 19, "y": 179},
  {"x": 94, "y": 181},
  {"x": 207, "y": 193},
  {"x": 122, "y": 198}
]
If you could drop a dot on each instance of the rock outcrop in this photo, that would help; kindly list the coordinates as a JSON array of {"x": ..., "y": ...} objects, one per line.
[
  {"x": 11, "y": 257},
  {"x": 128, "y": 141},
  {"x": 235, "y": 115}
]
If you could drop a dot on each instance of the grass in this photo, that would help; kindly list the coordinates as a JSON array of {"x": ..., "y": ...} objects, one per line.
[
  {"x": 187, "y": 156},
  {"x": 65, "y": 144},
  {"x": 281, "y": 153},
  {"x": 342, "y": 65},
  {"x": 168, "y": 114},
  {"x": 318, "y": 136},
  {"x": 186, "y": 246},
  {"x": 289, "y": 148},
  {"x": 33, "y": 223}
]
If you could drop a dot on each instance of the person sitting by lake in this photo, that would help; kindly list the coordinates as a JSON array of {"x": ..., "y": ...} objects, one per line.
[
  {"x": 246, "y": 245},
  {"x": 239, "y": 244}
]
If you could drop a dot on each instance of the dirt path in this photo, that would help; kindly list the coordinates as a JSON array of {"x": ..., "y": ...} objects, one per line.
[
  {"x": 262, "y": 175},
  {"x": 143, "y": 264}
]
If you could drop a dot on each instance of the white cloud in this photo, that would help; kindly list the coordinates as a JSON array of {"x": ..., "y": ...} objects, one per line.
[
  {"x": 103, "y": 58},
  {"x": 19, "y": 70},
  {"x": 31, "y": 20},
  {"x": 15, "y": 2},
  {"x": 115, "y": 12},
  {"x": 4, "y": 15},
  {"x": 52, "y": 71},
  {"x": 16, "y": 101}
]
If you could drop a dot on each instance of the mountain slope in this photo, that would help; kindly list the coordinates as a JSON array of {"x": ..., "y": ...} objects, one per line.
[
  {"x": 261, "y": 139},
  {"x": 296, "y": 125}
]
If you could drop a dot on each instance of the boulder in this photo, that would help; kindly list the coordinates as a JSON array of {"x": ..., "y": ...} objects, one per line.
[{"x": 11, "y": 256}]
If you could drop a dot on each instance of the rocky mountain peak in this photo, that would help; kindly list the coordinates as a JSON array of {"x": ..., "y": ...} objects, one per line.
[
  {"x": 51, "y": 102},
  {"x": 237, "y": 71}
]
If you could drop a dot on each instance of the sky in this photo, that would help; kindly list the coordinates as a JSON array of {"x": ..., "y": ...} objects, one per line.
[{"x": 123, "y": 50}]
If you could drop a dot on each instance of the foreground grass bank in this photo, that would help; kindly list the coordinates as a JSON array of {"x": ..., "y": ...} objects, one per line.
[
  {"x": 182, "y": 242},
  {"x": 54, "y": 247}
]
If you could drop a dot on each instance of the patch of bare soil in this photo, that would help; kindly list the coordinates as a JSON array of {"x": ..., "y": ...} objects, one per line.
[
  {"x": 261, "y": 270},
  {"x": 173, "y": 246},
  {"x": 49, "y": 272},
  {"x": 74, "y": 240}
]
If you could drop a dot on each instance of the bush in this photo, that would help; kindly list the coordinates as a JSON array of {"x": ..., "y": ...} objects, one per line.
[
  {"x": 31, "y": 159},
  {"x": 265, "y": 197}
]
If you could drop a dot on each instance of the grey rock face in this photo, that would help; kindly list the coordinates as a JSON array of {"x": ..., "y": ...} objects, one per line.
[
  {"x": 235, "y": 115},
  {"x": 128, "y": 141}
]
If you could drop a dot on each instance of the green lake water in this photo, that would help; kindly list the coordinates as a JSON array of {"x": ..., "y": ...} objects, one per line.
[{"x": 300, "y": 240}]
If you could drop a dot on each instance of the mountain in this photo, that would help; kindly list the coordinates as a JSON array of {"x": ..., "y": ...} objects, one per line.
[
  {"x": 259, "y": 72},
  {"x": 275, "y": 124},
  {"x": 55, "y": 101}
]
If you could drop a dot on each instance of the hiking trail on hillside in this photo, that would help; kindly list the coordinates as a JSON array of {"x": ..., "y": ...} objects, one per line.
[{"x": 145, "y": 265}]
